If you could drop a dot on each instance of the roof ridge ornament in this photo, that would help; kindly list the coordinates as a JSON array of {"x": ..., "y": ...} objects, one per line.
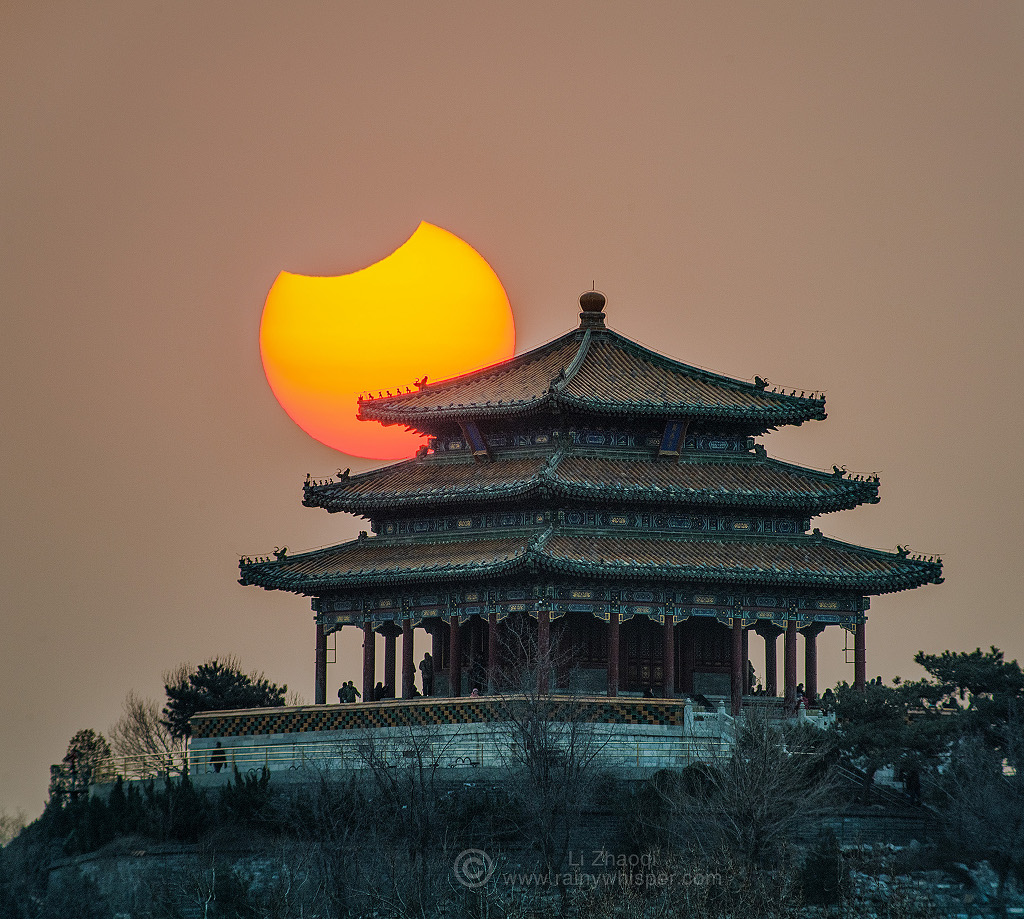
[
  {"x": 546, "y": 474},
  {"x": 538, "y": 544},
  {"x": 566, "y": 374},
  {"x": 592, "y": 304}
]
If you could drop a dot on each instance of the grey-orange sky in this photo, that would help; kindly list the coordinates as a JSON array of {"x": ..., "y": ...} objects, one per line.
[{"x": 828, "y": 195}]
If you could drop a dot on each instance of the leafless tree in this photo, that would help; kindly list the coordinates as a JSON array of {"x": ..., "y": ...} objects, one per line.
[
  {"x": 981, "y": 798},
  {"x": 753, "y": 803},
  {"x": 405, "y": 768},
  {"x": 11, "y": 825},
  {"x": 680, "y": 886},
  {"x": 143, "y": 739},
  {"x": 549, "y": 747},
  {"x": 328, "y": 817},
  {"x": 188, "y": 887}
]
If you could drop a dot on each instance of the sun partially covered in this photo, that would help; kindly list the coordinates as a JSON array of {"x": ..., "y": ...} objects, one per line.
[{"x": 432, "y": 308}]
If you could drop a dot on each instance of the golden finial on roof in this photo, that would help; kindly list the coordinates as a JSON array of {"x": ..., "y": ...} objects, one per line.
[{"x": 592, "y": 305}]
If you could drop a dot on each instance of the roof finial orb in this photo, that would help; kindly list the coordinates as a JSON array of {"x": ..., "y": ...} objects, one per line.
[{"x": 592, "y": 305}]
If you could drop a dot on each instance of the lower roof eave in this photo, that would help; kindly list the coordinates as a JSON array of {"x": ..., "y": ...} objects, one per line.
[
  {"x": 763, "y": 580},
  {"x": 429, "y": 420},
  {"x": 865, "y": 586},
  {"x": 312, "y": 587}
]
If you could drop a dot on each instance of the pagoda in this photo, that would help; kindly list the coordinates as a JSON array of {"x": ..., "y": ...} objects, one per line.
[{"x": 615, "y": 501}]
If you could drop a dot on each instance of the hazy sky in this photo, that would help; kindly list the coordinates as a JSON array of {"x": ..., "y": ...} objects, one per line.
[{"x": 830, "y": 195}]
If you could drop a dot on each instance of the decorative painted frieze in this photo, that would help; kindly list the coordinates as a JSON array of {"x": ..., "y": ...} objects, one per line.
[
  {"x": 335, "y": 612},
  {"x": 743, "y": 525},
  {"x": 645, "y": 439}
]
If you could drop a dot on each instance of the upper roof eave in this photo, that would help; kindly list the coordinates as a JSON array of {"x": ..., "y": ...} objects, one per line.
[
  {"x": 766, "y": 418},
  {"x": 396, "y": 410},
  {"x": 549, "y": 387}
]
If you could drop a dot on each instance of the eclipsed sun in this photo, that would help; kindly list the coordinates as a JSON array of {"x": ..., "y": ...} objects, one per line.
[{"x": 434, "y": 308}]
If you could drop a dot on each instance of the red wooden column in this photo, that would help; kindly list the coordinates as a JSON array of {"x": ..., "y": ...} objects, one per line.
[
  {"x": 390, "y": 660},
  {"x": 737, "y": 665},
  {"x": 543, "y": 651},
  {"x": 408, "y": 660},
  {"x": 320, "y": 668},
  {"x": 688, "y": 659},
  {"x": 745, "y": 656},
  {"x": 454, "y": 658},
  {"x": 860, "y": 666},
  {"x": 668, "y": 657},
  {"x": 613, "y": 654},
  {"x": 369, "y": 662},
  {"x": 790, "y": 663},
  {"x": 811, "y": 634},
  {"x": 492, "y": 653},
  {"x": 771, "y": 659}
]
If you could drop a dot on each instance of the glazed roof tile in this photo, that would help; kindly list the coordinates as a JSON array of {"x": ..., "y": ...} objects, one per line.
[
  {"x": 426, "y": 482},
  {"x": 618, "y": 373},
  {"x": 745, "y": 482},
  {"x": 807, "y": 561},
  {"x": 374, "y": 559},
  {"x": 761, "y": 483},
  {"x": 509, "y": 386},
  {"x": 597, "y": 371},
  {"x": 804, "y": 562}
]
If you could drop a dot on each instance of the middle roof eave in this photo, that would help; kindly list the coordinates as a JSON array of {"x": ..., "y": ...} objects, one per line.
[
  {"x": 722, "y": 483},
  {"x": 427, "y": 483}
]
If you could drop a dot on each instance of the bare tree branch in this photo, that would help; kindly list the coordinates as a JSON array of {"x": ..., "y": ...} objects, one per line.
[
  {"x": 754, "y": 802},
  {"x": 139, "y": 734}
]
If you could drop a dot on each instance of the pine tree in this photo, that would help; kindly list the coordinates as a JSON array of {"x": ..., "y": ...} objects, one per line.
[
  {"x": 214, "y": 686},
  {"x": 980, "y": 687}
]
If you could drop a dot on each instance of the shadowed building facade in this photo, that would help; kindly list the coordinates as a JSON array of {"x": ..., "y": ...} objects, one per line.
[{"x": 616, "y": 502}]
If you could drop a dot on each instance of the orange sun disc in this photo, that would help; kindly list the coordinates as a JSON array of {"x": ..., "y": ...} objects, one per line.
[{"x": 434, "y": 308}]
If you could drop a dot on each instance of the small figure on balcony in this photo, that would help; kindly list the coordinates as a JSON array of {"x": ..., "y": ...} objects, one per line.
[{"x": 427, "y": 674}]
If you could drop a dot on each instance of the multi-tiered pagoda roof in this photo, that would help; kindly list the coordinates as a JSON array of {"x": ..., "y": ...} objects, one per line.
[{"x": 593, "y": 476}]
